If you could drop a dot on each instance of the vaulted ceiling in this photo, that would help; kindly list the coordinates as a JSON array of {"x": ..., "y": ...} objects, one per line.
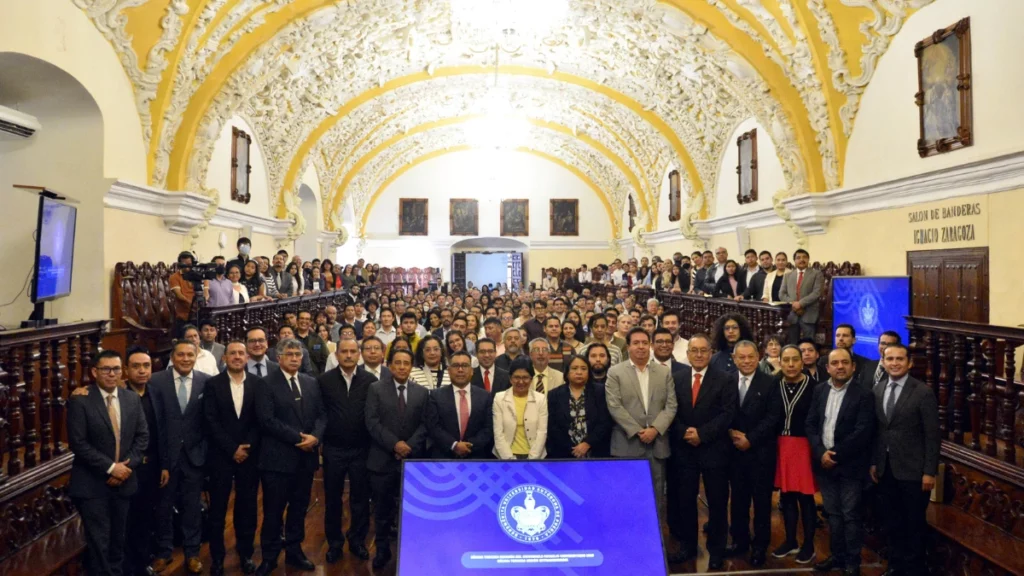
[{"x": 614, "y": 90}]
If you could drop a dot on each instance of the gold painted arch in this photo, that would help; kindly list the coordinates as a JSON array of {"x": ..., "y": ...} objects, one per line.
[{"x": 409, "y": 165}]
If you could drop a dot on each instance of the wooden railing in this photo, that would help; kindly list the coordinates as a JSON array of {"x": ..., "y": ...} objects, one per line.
[
  {"x": 972, "y": 367},
  {"x": 235, "y": 321},
  {"x": 38, "y": 370}
]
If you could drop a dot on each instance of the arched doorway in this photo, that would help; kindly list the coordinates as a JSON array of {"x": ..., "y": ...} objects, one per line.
[
  {"x": 306, "y": 245},
  {"x": 66, "y": 156},
  {"x": 482, "y": 261}
]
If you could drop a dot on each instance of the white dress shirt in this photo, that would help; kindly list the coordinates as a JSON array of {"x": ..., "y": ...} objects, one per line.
[
  {"x": 348, "y": 379},
  {"x": 206, "y": 363},
  {"x": 386, "y": 336},
  {"x": 743, "y": 385},
  {"x": 693, "y": 378},
  {"x": 679, "y": 350},
  {"x": 469, "y": 401},
  {"x": 288, "y": 378},
  {"x": 489, "y": 372},
  {"x": 583, "y": 277},
  {"x": 832, "y": 406},
  {"x": 374, "y": 371},
  {"x": 237, "y": 393},
  {"x": 643, "y": 374}
]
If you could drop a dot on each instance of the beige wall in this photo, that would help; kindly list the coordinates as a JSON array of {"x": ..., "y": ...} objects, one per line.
[
  {"x": 58, "y": 32},
  {"x": 884, "y": 142},
  {"x": 138, "y": 238},
  {"x": 218, "y": 174}
]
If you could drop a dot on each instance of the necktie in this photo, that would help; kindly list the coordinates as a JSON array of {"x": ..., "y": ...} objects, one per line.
[
  {"x": 295, "y": 389},
  {"x": 401, "y": 402},
  {"x": 696, "y": 387},
  {"x": 879, "y": 373},
  {"x": 463, "y": 414},
  {"x": 182, "y": 394},
  {"x": 540, "y": 382},
  {"x": 743, "y": 388},
  {"x": 799, "y": 282},
  {"x": 890, "y": 404},
  {"x": 112, "y": 412},
  {"x": 259, "y": 370},
  {"x": 487, "y": 380}
]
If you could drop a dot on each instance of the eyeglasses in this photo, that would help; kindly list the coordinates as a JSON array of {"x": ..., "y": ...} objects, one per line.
[
  {"x": 700, "y": 351},
  {"x": 520, "y": 378},
  {"x": 109, "y": 370},
  {"x": 292, "y": 354},
  {"x": 459, "y": 366}
]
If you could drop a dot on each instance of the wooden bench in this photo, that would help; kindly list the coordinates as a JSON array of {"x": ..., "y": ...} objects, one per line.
[
  {"x": 59, "y": 551},
  {"x": 969, "y": 545}
]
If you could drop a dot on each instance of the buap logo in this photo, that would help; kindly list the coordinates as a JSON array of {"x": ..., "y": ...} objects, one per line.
[
  {"x": 530, "y": 514},
  {"x": 868, "y": 311}
]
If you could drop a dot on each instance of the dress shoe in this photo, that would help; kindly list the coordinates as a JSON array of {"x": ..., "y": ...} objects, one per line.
[
  {"x": 786, "y": 549},
  {"x": 828, "y": 564},
  {"x": 358, "y": 549},
  {"x": 682, "y": 556},
  {"x": 194, "y": 565},
  {"x": 382, "y": 558},
  {"x": 757, "y": 557},
  {"x": 334, "y": 553},
  {"x": 248, "y": 566},
  {"x": 716, "y": 562},
  {"x": 299, "y": 560},
  {"x": 159, "y": 565},
  {"x": 266, "y": 569},
  {"x": 733, "y": 550},
  {"x": 216, "y": 568}
]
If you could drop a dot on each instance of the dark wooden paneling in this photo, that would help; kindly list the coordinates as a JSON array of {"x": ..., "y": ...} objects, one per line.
[
  {"x": 459, "y": 269},
  {"x": 950, "y": 284}
]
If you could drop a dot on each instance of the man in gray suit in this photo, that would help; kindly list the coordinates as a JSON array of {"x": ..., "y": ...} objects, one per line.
[
  {"x": 285, "y": 283},
  {"x": 177, "y": 396},
  {"x": 107, "y": 433},
  {"x": 906, "y": 459},
  {"x": 802, "y": 288},
  {"x": 642, "y": 401},
  {"x": 394, "y": 416}
]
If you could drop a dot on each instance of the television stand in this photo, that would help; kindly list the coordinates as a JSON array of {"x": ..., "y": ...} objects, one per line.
[{"x": 38, "y": 318}]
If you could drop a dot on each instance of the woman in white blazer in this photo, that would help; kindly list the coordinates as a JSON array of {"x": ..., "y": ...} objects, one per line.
[
  {"x": 781, "y": 263},
  {"x": 520, "y": 417}
]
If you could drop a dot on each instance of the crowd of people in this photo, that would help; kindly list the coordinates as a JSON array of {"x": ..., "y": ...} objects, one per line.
[{"x": 556, "y": 371}]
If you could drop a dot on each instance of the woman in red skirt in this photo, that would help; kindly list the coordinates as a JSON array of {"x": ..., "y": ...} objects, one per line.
[{"x": 793, "y": 475}]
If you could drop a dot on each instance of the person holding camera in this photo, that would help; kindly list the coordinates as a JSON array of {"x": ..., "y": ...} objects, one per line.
[{"x": 183, "y": 291}]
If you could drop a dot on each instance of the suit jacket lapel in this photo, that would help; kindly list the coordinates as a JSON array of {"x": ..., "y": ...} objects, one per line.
[
  {"x": 847, "y": 401},
  {"x": 705, "y": 384},
  {"x": 908, "y": 388},
  {"x": 101, "y": 406}
]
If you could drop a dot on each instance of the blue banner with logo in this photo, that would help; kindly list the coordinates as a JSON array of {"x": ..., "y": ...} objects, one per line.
[
  {"x": 529, "y": 517},
  {"x": 871, "y": 306}
]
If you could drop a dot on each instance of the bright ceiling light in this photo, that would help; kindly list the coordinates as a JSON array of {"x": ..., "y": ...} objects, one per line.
[
  {"x": 501, "y": 20},
  {"x": 501, "y": 125}
]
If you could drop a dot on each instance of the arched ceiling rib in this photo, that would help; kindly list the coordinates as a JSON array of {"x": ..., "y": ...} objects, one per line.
[{"x": 656, "y": 81}]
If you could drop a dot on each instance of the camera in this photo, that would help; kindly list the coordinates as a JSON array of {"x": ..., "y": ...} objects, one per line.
[{"x": 200, "y": 272}]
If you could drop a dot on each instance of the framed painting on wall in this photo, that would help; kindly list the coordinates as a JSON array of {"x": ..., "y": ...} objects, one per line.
[
  {"x": 412, "y": 217},
  {"x": 944, "y": 98},
  {"x": 565, "y": 218},
  {"x": 463, "y": 217},
  {"x": 675, "y": 197},
  {"x": 515, "y": 217},
  {"x": 747, "y": 169}
]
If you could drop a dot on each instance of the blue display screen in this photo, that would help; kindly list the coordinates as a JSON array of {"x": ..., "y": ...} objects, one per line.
[
  {"x": 529, "y": 517},
  {"x": 871, "y": 306}
]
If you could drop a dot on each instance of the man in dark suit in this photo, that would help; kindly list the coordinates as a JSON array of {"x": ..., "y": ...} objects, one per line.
[
  {"x": 107, "y": 433},
  {"x": 142, "y": 510},
  {"x": 513, "y": 340},
  {"x": 346, "y": 444},
  {"x": 906, "y": 460},
  {"x": 458, "y": 417},
  {"x": 394, "y": 416},
  {"x": 716, "y": 271},
  {"x": 802, "y": 288},
  {"x": 488, "y": 376},
  {"x": 292, "y": 419},
  {"x": 840, "y": 425},
  {"x": 258, "y": 364},
  {"x": 845, "y": 337},
  {"x": 700, "y": 448},
  {"x": 286, "y": 332},
  {"x": 230, "y": 411},
  {"x": 752, "y": 462},
  {"x": 874, "y": 370},
  {"x": 178, "y": 401},
  {"x": 535, "y": 326},
  {"x": 755, "y": 282}
]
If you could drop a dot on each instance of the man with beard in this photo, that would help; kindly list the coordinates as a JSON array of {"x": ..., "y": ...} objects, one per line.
[
  {"x": 755, "y": 281},
  {"x": 599, "y": 334},
  {"x": 597, "y": 356},
  {"x": 488, "y": 376},
  {"x": 513, "y": 339}
]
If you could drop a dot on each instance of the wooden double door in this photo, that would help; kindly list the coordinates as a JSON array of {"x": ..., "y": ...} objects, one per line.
[{"x": 950, "y": 284}]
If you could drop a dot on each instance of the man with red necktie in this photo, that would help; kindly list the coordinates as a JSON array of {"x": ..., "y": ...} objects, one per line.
[
  {"x": 458, "y": 417},
  {"x": 488, "y": 376},
  {"x": 803, "y": 290}
]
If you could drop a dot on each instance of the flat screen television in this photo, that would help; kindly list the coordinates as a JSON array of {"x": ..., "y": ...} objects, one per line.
[
  {"x": 55, "y": 250},
  {"x": 871, "y": 305},
  {"x": 537, "y": 517}
]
